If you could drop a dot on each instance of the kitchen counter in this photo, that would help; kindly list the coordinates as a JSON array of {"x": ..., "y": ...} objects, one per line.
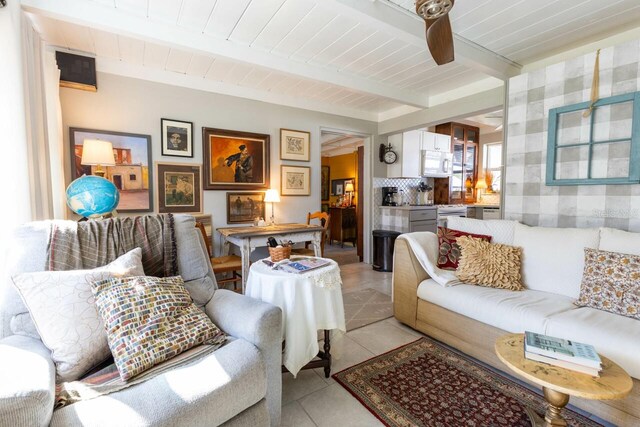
[
  {"x": 484, "y": 205},
  {"x": 409, "y": 207}
]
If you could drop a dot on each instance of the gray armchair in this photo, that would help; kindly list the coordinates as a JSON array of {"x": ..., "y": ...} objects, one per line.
[{"x": 239, "y": 384}]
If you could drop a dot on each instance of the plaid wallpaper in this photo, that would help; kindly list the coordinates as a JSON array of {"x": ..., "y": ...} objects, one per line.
[{"x": 531, "y": 95}]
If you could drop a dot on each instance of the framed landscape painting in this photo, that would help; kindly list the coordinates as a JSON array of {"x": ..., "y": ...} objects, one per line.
[
  {"x": 244, "y": 207},
  {"x": 295, "y": 180},
  {"x": 179, "y": 187},
  {"x": 294, "y": 145},
  {"x": 131, "y": 173},
  {"x": 177, "y": 138},
  {"x": 235, "y": 160}
]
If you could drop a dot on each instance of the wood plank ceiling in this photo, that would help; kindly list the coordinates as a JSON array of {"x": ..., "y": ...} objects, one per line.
[{"x": 329, "y": 55}]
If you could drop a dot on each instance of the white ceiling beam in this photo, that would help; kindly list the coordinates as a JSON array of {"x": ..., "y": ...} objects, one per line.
[
  {"x": 483, "y": 102},
  {"x": 410, "y": 28},
  {"x": 95, "y": 15}
]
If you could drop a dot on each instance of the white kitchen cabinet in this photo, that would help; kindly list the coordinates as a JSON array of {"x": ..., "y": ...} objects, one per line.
[
  {"x": 407, "y": 145},
  {"x": 436, "y": 142}
]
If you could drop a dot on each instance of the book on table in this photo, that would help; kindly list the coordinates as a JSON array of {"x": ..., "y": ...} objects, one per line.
[
  {"x": 298, "y": 265},
  {"x": 563, "y": 364},
  {"x": 559, "y": 349}
]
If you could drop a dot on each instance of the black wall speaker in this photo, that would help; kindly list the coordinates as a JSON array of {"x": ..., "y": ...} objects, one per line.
[{"x": 77, "y": 72}]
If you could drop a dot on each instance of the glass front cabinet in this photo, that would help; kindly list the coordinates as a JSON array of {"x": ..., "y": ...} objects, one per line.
[{"x": 464, "y": 146}]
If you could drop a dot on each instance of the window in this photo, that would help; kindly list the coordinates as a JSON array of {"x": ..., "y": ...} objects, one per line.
[
  {"x": 603, "y": 148},
  {"x": 492, "y": 161},
  {"x": 132, "y": 177}
]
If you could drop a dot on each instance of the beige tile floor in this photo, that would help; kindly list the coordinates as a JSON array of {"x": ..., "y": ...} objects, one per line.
[{"x": 313, "y": 400}]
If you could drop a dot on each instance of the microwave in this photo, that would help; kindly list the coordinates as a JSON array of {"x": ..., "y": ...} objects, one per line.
[{"x": 436, "y": 163}]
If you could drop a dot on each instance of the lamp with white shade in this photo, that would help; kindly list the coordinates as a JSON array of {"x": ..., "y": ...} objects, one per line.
[
  {"x": 481, "y": 186},
  {"x": 272, "y": 196},
  {"x": 97, "y": 153},
  {"x": 348, "y": 189}
]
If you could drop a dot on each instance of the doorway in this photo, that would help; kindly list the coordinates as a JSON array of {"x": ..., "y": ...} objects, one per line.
[{"x": 342, "y": 194}]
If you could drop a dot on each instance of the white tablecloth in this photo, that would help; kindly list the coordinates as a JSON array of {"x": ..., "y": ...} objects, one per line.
[{"x": 307, "y": 305}]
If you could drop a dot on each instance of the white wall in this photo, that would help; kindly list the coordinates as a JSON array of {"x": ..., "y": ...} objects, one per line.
[{"x": 131, "y": 105}]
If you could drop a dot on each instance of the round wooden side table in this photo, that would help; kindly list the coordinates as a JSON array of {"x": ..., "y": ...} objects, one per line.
[{"x": 558, "y": 384}]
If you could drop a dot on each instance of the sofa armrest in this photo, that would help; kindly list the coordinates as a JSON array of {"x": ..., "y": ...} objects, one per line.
[
  {"x": 407, "y": 275},
  {"x": 27, "y": 382},
  {"x": 259, "y": 323}
]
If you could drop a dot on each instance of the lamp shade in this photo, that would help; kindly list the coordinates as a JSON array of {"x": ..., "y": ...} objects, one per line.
[
  {"x": 272, "y": 196},
  {"x": 97, "y": 152},
  {"x": 349, "y": 187},
  {"x": 481, "y": 184}
]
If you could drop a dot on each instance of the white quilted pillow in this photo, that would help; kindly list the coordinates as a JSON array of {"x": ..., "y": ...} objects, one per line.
[{"x": 63, "y": 309}]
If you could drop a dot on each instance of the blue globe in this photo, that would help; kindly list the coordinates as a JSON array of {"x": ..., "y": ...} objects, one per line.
[{"x": 92, "y": 196}]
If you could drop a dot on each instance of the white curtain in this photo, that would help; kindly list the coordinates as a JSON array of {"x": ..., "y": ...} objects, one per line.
[{"x": 44, "y": 126}]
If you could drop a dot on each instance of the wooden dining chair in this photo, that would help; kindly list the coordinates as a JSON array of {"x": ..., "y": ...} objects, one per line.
[
  {"x": 324, "y": 218},
  {"x": 223, "y": 264}
]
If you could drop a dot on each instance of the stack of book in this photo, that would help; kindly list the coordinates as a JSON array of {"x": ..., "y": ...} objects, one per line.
[{"x": 563, "y": 353}]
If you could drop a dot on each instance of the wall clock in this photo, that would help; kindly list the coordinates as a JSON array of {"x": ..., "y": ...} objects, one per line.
[{"x": 387, "y": 155}]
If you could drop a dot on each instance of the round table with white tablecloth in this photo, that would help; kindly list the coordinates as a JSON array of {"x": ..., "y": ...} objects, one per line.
[{"x": 309, "y": 301}]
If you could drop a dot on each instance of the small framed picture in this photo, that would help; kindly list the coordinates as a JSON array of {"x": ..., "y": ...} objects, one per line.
[
  {"x": 177, "y": 138},
  {"x": 294, "y": 145},
  {"x": 295, "y": 180},
  {"x": 338, "y": 186},
  {"x": 179, "y": 187},
  {"x": 244, "y": 207}
]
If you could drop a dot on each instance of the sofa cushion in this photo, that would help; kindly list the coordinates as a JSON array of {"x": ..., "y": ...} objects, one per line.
[
  {"x": 616, "y": 337},
  {"x": 449, "y": 250},
  {"x": 149, "y": 320},
  {"x": 513, "y": 311},
  {"x": 63, "y": 309},
  {"x": 625, "y": 242},
  {"x": 207, "y": 392},
  {"x": 553, "y": 258},
  {"x": 489, "y": 264},
  {"x": 500, "y": 230}
]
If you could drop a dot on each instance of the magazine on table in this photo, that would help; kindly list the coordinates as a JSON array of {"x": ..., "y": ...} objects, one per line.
[
  {"x": 298, "y": 265},
  {"x": 563, "y": 364},
  {"x": 561, "y": 349}
]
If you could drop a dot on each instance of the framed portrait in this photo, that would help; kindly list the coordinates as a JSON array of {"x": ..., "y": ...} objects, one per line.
[
  {"x": 244, "y": 207},
  {"x": 338, "y": 186},
  {"x": 131, "y": 173},
  {"x": 295, "y": 180},
  {"x": 179, "y": 187},
  {"x": 324, "y": 187},
  {"x": 235, "y": 160},
  {"x": 177, "y": 138},
  {"x": 294, "y": 145}
]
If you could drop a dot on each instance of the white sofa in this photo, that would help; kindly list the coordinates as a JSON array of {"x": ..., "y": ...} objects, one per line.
[{"x": 471, "y": 317}]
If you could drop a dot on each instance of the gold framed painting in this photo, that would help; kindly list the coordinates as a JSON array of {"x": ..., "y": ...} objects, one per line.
[
  {"x": 244, "y": 207},
  {"x": 295, "y": 145},
  {"x": 235, "y": 160},
  {"x": 295, "y": 180},
  {"x": 179, "y": 187}
]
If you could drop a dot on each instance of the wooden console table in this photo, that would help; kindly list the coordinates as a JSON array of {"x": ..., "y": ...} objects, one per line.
[{"x": 343, "y": 225}]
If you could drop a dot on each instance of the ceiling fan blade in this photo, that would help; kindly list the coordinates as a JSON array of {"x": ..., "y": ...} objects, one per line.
[{"x": 440, "y": 39}]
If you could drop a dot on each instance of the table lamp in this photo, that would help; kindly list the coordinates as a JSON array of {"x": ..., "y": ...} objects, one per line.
[
  {"x": 272, "y": 196},
  {"x": 97, "y": 153},
  {"x": 481, "y": 185},
  {"x": 349, "y": 190}
]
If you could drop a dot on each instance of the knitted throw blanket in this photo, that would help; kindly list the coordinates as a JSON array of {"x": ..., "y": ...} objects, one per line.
[{"x": 91, "y": 244}]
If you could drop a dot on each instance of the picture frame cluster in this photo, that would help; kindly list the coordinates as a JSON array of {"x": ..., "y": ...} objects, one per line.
[{"x": 233, "y": 160}]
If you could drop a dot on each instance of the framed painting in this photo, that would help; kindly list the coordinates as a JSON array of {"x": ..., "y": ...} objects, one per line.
[
  {"x": 294, "y": 145},
  {"x": 131, "y": 173},
  {"x": 324, "y": 187},
  {"x": 324, "y": 207},
  {"x": 179, "y": 187},
  {"x": 244, "y": 207},
  {"x": 177, "y": 138},
  {"x": 235, "y": 160},
  {"x": 295, "y": 180},
  {"x": 338, "y": 186}
]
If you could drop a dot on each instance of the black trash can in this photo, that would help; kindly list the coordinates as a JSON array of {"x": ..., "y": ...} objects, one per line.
[{"x": 383, "y": 241}]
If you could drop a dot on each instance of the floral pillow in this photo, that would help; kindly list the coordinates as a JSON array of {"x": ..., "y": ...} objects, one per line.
[
  {"x": 611, "y": 282},
  {"x": 449, "y": 250}
]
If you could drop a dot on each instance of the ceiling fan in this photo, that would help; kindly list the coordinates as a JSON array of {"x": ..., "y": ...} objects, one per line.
[{"x": 439, "y": 36}]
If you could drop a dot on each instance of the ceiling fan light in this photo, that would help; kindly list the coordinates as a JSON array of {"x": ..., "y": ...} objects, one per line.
[{"x": 433, "y": 9}]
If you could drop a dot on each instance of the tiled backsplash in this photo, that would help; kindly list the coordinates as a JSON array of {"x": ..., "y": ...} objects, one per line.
[{"x": 407, "y": 185}]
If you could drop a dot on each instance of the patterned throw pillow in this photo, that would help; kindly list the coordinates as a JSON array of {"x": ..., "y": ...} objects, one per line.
[
  {"x": 489, "y": 264},
  {"x": 611, "y": 282},
  {"x": 150, "y": 320},
  {"x": 62, "y": 307},
  {"x": 449, "y": 250}
]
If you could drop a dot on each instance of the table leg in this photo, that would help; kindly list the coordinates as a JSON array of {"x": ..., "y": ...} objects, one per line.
[
  {"x": 556, "y": 401},
  {"x": 246, "y": 255},
  {"x": 317, "y": 250},
  {"x": 327, "y": 353},
  {"x": 226, "y": 249}
]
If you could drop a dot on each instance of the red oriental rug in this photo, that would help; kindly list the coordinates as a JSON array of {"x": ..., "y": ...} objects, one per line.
[{"x": 426, "y": 384}]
